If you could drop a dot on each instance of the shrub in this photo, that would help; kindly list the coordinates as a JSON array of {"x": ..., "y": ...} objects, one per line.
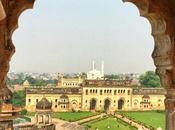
[{"x": 23, "y": 112}]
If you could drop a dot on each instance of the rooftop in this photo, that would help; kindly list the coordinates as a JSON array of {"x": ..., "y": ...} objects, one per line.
[{"x": 108, "y": 83}]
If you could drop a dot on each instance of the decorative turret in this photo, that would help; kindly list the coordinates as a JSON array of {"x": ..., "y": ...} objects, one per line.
[
  {"x": 44, "y": 104},
  {"x": 43, "y": 114},
  {"x": 26, "y": 84}
]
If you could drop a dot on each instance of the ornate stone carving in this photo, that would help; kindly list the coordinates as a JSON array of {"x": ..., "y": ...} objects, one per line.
[
  {"x": 9, "y": 14},
  {"x": 161, "y": 15}
]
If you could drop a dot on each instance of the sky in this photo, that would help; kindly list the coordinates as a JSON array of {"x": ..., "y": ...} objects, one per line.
[{"x": 67, "y": 35}]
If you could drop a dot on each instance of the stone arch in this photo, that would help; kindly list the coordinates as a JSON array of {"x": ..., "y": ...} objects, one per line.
[
  {"x": 163, "y": 53},
  {"x": 107, "y": 103},
  {"x": 161, "y": 15},
  {"x": 121, "y": 103},
  {"x": 136, "y": 104},
  {"x": 10, "y": 12},
  {"x": 74, "y": 105},
  {"x": 93, "y": 104}
]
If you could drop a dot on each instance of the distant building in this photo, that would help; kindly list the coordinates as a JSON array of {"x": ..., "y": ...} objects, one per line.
[
  {"x": 93, "y": 95},
  {"x": 95, "y": 74},
  {"x": 92, "y": 92},
  {"x": 69, "y": 81},
  {"x": 26, "y": 84}
]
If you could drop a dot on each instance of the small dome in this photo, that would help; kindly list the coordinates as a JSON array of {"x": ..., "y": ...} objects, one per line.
[
  {"x": 146, "y": 96},
  {"x": 63, "y": 96},
  {"x": 44, "y": 104},
  {"x": 26, "y": 83}
]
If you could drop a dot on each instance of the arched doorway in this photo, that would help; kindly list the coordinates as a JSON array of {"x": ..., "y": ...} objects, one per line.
[
  {"x": 120, "y": 104},
  {"x": 136, "y": 104},
  {"x": 74, "y": 105},
  {"x": 93, "y": 104},
  {"x": 107, "y": 104}
]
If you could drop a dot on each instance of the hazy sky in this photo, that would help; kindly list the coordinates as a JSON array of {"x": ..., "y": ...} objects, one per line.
[{"x": 66, "y": 35}]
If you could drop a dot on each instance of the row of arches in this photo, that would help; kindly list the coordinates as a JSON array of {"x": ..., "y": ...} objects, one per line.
[{"x": 107, "y": 103}]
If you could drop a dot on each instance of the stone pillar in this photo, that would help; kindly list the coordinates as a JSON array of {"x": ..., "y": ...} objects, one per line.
[{"x": 170, "y": 109}]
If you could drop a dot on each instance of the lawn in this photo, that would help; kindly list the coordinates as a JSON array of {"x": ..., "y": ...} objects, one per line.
[
  {"x": 31, "y": 113},
  {"x": 73, "y": 116},
  {"x": 153, "y": 118},
  {"x": 113, "y": 124}
]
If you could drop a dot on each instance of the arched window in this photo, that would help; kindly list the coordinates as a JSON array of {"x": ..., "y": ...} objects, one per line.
[
  {"x": 86, "y": 91},
  {"x": 101, "y": 92},
  {"x": 114, "y": 92}
]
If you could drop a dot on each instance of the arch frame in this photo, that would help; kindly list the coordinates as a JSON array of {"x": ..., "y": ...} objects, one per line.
[
  {"x": 93, "y": 107},
  {"x": 161, "y": 15},
  {"x": 121, "y": 99},
  {"x": 110, "y": 103}
]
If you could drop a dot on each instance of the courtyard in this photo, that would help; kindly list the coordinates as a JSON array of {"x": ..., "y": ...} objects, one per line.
[
  {"x": 151, "y": 119},
  {"x": 108, "y": 123}
]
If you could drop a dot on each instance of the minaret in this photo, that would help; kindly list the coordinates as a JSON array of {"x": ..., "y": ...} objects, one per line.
[
  {"x": 102, "y": 68},
  {"x": 93, "y": 65}
]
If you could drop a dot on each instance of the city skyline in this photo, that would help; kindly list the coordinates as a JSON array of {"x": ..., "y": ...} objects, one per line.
[{"x": 66, "y": 36}]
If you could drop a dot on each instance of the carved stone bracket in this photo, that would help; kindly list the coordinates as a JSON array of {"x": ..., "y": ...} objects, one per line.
[{"x": 10, "y": 11}]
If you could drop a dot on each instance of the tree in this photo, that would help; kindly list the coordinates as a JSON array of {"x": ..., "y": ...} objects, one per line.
[
  {"x": 150, "y": 80},
  {"x": 23, "y": 112},
  {"x": 19, "y": 98}
]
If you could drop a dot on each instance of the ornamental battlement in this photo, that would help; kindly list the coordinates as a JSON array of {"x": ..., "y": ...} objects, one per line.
[
  {"x": 53, "y": 90},
  {"x": 106, "y": 83},
  {"x": 149, "y": 91}
]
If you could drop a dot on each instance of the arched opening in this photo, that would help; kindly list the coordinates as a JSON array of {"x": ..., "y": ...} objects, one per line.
[
  {"x": 107, "y": 104},
  {"x": 74, "y": 105},
  {"x": 81, "y": 39},
  {"x": 93, "y": 104},
  {"x": 136, "y": 104},
  {"x": 120, "y": 104}
]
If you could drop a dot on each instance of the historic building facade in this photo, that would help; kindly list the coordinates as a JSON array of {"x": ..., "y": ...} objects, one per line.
[
  {"x": 97, "y": 95},
  {"x": 69, "y": 81}
]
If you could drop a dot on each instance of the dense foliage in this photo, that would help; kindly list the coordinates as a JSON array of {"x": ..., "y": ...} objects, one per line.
[
  {"x": 150, "y": 80},
  {"x": 19, "y": 98},
  {"x": 32, "y": 81}
]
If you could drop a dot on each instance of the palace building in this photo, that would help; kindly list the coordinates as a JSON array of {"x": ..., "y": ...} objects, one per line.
[
  {"x": 96, "y": 95},
  {"x": 91, "y": 92}
]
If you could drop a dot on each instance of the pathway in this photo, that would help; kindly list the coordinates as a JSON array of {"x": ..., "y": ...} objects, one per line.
[
  {"x": 90, "y": 118},
  {"x": 132, "y": 123},
  {"x": 64, "y": 125}
]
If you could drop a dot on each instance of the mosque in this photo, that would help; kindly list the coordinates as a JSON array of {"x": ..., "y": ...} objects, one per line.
[{"x": 93, "y": 93}]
